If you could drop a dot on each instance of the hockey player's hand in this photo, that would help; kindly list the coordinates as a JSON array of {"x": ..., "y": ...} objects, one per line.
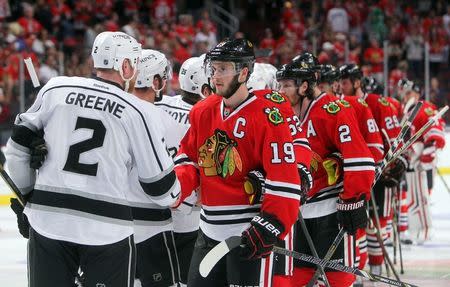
[
  {"x": 254, "y": 186},
  {"x": 352, "y": 214},
  {"x": 394, "y": 172},
  {"x": 258, "y": 240},
  {"x": 38, "y": 152},
  {"x": 305, "y": 178},
  {"x": 22, "y": 221}
]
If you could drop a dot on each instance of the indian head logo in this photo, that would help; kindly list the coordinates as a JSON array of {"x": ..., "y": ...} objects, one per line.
[{"x": 218, "y": 155}]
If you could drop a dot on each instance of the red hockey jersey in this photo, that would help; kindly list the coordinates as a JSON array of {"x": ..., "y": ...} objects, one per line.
[
  {"x": 331, "y": 127},
  {"x": 385, "y": 115},
  {"x": 367, "y": 126},
  {"x": 435, "y": 132},
  {"x": 302, "y": 148},
  {"x": 217, "y": 153}
]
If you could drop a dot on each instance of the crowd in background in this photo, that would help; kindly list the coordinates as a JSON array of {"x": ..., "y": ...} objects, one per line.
[{"x": 58, "y": 34}]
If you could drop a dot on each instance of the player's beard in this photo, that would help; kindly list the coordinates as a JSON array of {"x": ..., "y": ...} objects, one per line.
[{"x": 232, "y": 88}]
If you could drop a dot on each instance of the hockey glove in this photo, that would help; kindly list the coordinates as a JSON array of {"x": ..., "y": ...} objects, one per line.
[
  {"x": 38, "y": 152},
  {"x": 22, "y": 221},
  {"x": 258, "y": 240},
  {"x": 254, "y": 186},
  {"x": 306, "y": 180},
  {"x": 352, "y": 214},
  {"x": 394, "y": 172},
  {"x": 428, "y": 155}
]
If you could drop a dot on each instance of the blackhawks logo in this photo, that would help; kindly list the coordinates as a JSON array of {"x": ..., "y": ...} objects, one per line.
[
  {"x": 275, "y": 97},
  {"x": 383, "y": 101},
  {"x": 332, "y": 107},
  {"x": 363, "y": 102},
  {"x": 429, "y": 111},
  {"x": 344, "y": 103},
  {"x": 218, "y": 155},
  {"x": 274, "y": 115}
]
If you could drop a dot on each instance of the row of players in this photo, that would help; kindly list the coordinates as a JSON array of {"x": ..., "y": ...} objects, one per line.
[{"x": 107, "y": 181}]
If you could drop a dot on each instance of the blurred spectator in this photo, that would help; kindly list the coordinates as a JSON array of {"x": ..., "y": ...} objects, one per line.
[
  {"x": 414, "y": 52},
  {"x": 5, "y": 10},
  {"x": 204, "y": 18},
  {"x": 48, "y": 70},
  {"x": 446, "y": 20},
  {"x": 27, "y": 21},
  {"x": 337, "y": 18},
  {"x": 163, "y": 10},
  {"x": 375, "y": 24},
  {"x": 437, "y": 42},
  {"x": 437, "y": 96},
  {"x": 373, "y": 56},
  {"x": 206, "y": 35}
]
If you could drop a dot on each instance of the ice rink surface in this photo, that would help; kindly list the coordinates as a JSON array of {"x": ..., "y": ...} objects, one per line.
[{"x": 425, "y": 265}]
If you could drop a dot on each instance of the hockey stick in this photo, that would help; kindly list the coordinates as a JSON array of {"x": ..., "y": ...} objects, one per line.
[
  {"x": 339, "y": 267},
  {"x": 418, "y": 133},
  {"x": 12, "y": 186},
  {"x": 329, "y": 254},
  {"x": 386, "y": 160},
  {"x": 313, "y": 251},
  {"x": 443, "y": 181}
]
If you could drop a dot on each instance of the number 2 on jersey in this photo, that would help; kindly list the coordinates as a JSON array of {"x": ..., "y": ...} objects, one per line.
[{"x": 73, "y": 158}]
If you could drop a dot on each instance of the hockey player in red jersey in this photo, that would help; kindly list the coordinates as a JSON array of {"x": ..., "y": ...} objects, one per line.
[
  {"x": 385, "y": 116},
  {"x": 342, "y": 168},
  {"x": 233, "y": 132},
  {"x": 422, "y": 156}
]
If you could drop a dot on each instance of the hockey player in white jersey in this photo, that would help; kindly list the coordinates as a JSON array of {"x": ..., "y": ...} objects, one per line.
[
  {"x": 194, "y": 85},
  {"x": 96, "y": 132},
  {"x": 263, "y": 77},
  {"x": 153, "y": 224}
]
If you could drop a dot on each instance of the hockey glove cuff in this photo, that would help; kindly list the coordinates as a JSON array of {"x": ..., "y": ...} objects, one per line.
[
  {"x": 38, "y": 152},
  {"x": 394, "y": 172},
  {"x": 22, "y": 221},
  {"x": 352, "y": 214},
  {"x": 258, "y": 240},
  {"x": 254, "y": 186}
]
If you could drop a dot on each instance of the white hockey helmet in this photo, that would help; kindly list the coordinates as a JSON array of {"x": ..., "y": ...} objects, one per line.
[
  {"x": 153, "y": 63},
  {"x": 192, "y": 76},
  {"x": 111, "y": 48},
  {"x": 263, "y": 77}
]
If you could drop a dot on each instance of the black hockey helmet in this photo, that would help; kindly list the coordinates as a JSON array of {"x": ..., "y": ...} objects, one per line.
[
  {"x": 407, "y": 85},
  {"x": 307, "y": 58},
  {"x": 299, "y": 72},
  {"x": 235, "y": 50},
  {"x": 369, "y": 84},
  {"x": 328, "y": 73},
  {"x": 351, "y": 71}
]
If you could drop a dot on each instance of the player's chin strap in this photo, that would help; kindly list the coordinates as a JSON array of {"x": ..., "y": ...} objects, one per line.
[{"x": 127, "y": 81}]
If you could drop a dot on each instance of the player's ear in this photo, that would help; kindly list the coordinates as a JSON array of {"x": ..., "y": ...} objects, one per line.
[
  {"x": 357, "y": 83},
  {"x": 243, "y": 75},
  {"x": 127, "y": 69}
]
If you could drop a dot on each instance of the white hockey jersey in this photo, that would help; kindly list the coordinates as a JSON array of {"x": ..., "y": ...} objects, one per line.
[
  {"x": 149, "y": 218},
  {"x": 186, "y": 217},
  {"x": 95, "y": 134}
]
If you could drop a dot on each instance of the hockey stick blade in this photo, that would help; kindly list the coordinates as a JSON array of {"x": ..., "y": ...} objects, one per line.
[
  {"x": 340, "y": 267},
  {"x": 218, "y": 252}
]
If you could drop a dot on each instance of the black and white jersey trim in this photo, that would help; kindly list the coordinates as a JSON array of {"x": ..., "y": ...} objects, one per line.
[
  {"x": 302, "y": 142},
  {"x": 22, "y": 136},
  {"x": 82, "y": 204},
  {"x": 150, "y": 214},
  {"x": 183, "y": 159},
  {"x": 326, "y": 193},
  {"x": 282, "y": 189},
  {"x": 224, "y": 215},
  {"x": 359, "y": 164},
  {"x": 160, "y": 186}
]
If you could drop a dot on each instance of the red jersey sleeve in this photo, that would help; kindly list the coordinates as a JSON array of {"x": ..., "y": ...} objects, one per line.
[
  {"x": 358, "y": 164},
  {"x": 282, "y": 186},
  {"x": 436, "y": 132},
  {"x": 186, "y": 167}
]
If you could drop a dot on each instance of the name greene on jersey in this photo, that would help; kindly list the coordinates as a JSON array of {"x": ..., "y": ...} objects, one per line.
[{"x": 95, "y": 102}]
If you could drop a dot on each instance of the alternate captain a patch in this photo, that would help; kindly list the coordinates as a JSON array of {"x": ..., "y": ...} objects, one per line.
[{"x": 218, "y": 155}]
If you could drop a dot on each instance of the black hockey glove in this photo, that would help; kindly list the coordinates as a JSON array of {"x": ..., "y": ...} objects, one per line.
[
  {"x": 352, "y": 214},
  {"x": 394, "y": 172},
  {"x": 306, "y": 180},
  {"x": 22, "y": 221},
  {"x": 258, "y": 240},
  {"x": 38, "y": 152},
  {"x": 254, "y": 186}
]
